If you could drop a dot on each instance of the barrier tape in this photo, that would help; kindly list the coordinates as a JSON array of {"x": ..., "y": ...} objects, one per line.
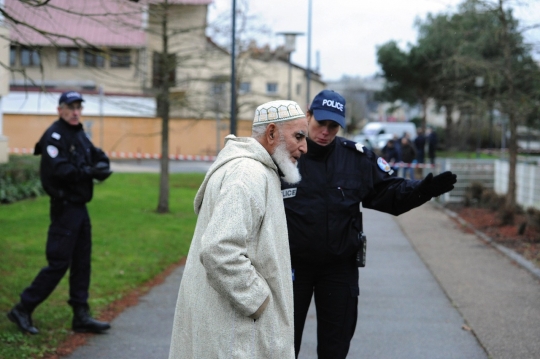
[
  {"x": 131, "y": 155},
  {"x": 411, "y": 165}
]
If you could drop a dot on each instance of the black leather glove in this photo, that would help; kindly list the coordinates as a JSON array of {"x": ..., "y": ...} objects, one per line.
[
  {"x": 101, "y": 171},
  {"x": 435, "y": 186}
]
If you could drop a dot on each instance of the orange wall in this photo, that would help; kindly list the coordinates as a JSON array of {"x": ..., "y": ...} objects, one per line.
[{"x": 121, "y": 134}]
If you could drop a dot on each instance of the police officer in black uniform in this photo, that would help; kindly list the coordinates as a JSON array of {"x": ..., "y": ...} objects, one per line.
[
  {"x": 69, "y": 165},
  {"x": 325, "y": 223}
]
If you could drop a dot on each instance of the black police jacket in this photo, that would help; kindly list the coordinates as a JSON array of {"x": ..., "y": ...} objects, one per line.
[
  {"x": 67, "y": 158},
  {"x": 323, "y": 209}
]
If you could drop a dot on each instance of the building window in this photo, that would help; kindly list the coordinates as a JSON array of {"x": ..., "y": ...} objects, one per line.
[
  {"x": 121, "y": 58},
  {"x": 298, "y": 89},
  {"x": 68, "y": 57},
  {"x": 218, "y": 88},
  {"x": 245, "y": 87},
  {"x": 30, "y": 57},
  {"x": 271, "y": 87},
  {"x": 94, "y": 58},
  {"x": 160, "y": 68},
  {"x": 12, "y": 56}
]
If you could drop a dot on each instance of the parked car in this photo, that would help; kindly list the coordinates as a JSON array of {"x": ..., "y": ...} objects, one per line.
[{"x": 378, "y": 133}]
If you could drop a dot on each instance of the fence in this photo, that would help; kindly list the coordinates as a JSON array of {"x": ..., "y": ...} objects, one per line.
[
  {"x": 528, "y": 182},
  {"x": 493, "y": 174},
  {"x": 468, "y": 171}
]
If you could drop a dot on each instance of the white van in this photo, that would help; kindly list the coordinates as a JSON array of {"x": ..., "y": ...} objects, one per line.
[{"x": 378, "y": 133}]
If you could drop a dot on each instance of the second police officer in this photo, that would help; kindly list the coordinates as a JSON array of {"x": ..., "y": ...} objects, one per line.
[
  {"x": 69, "y": 165},
  {"x": 325, "y": 222}
]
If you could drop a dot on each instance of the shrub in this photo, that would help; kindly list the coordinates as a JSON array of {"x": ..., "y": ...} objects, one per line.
[
  {"x": 473, "y": 194},
  {"x": 492, "y": 200},
  {"x": 533, "y": 217},
  {"x": 19, "y": 179}
]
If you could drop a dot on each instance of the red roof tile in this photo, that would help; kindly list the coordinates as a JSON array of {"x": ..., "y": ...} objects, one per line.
[{"x": 113, "y": 23}]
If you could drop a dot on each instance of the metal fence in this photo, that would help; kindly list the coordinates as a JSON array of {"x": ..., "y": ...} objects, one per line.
[
  {"x": 528, "y": 182},
  {"x": 468, "y": 171}
]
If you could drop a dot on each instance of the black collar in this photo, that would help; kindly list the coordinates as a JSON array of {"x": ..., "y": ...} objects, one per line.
[{"x": 317, "y": 151}]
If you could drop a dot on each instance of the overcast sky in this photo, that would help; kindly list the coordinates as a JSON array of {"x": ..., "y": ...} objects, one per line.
[{"x": 344, "y": 32}]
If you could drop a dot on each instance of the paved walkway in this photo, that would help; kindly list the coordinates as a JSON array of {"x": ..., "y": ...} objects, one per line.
[{"x": 425, "y": 281}]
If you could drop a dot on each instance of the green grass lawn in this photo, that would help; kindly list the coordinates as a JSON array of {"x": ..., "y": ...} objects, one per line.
[{"x": 131, "y": 245}]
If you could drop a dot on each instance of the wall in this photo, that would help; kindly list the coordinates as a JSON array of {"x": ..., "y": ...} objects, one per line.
[{"x": 129, "y": 135}]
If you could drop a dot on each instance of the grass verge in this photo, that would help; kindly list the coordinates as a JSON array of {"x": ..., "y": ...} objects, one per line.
[{"x": 131, "y": 245}]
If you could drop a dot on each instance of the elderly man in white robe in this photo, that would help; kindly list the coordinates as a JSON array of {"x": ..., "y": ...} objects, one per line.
[{"x": 236, "y": 297}]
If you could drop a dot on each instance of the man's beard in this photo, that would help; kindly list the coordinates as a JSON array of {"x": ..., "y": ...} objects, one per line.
[{"x": 291, "y": 174}]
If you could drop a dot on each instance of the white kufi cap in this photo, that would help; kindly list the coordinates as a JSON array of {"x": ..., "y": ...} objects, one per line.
[{"x": 277, "y": 111}]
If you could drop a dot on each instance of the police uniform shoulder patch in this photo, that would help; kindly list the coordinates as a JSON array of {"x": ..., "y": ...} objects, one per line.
[
  {"x": 56, "y": 135},
  {"x": 384, "y": 166},
  {"x": 353, "y": 145},
  {"x": 52, "y": 151}
]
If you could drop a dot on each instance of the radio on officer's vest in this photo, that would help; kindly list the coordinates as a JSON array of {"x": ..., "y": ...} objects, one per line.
[{"x": 361, "y": 254}]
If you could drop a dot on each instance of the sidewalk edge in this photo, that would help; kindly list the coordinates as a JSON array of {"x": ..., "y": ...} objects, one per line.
[{"x": 513, "y": 256}]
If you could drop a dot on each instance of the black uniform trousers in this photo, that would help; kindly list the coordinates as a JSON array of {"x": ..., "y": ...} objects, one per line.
[
  {"x": 336, "y": 300},
  {"x": 69, "y": 246}
]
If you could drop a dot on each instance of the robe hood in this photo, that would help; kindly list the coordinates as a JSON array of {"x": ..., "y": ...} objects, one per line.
[{"x": 235, "y": 148}]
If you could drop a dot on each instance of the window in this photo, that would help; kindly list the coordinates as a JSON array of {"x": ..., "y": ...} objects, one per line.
[
  {"x": 218, "y": 88},
  {"x": 157, "y": 70},
  {"x": 12, "y": 56},
  {"x": 245, "y": 87},
  {"x": 94, "y": 58},
  {"x": 30, "y": 57},
  {"x": 121, "y": 58},
  {"x": 298, "y": 89},
  {"x": 68, "y": 57},
  {"x": 271, "y": 87}
]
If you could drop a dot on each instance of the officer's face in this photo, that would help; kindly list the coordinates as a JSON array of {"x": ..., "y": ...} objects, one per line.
[
  {"x": 71, "y": 113},
  {"x": 322, "y": 132},
  {"x": 294, "y": 136}
]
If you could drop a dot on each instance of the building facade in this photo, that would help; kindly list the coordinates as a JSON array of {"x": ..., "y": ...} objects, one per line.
[{"x": 115, "y": 48}]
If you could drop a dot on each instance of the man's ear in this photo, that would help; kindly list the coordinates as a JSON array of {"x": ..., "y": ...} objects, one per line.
[{"x": 272, "y": 134}]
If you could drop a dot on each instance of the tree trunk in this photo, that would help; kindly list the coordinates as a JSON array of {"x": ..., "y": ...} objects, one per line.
[
  {"x": 511, "y": 107},
  {"x": 449, "y": 127},
  {"x": 164, "y": 102}
]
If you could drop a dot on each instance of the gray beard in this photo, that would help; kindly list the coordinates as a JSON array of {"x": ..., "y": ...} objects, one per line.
[{"x": 291, "y": 174}]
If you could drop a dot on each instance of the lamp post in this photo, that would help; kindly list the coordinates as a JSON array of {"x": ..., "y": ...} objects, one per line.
[
  {"x": 290, "y": 47},
  {"x": 479, "y": 82},
  {"x": 233, "y": 70},
  {"x": 308, "y": 67}
]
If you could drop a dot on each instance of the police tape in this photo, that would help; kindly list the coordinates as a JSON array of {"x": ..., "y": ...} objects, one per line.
[
  {"x": 411, "y": 165},
  {"x": 131, "y": 155}
]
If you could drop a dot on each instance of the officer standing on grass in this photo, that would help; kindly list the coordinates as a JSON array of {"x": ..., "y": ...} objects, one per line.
[
  {"x": 325, "y": 223},
  {"x": 69, "y": 165}
]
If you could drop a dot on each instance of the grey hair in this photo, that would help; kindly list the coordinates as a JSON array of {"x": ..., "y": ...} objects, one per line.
[{"x": 257, "y": 132}]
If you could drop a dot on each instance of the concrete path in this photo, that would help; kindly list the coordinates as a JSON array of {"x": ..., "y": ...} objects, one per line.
[{"x": 407, "y": 309}]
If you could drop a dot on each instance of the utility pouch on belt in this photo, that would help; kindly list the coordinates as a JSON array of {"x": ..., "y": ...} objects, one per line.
[{"x": 361, "y": 254}]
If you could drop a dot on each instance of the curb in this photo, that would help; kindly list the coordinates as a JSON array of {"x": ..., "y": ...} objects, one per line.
[{"x": 513, "y": 256}]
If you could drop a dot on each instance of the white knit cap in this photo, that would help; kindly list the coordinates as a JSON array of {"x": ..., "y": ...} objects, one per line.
[{"x": 277, "y": 111}]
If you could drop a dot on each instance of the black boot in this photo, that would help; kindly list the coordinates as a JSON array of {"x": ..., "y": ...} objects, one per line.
[
  {"x": 84, "y": 323},
  {"x": 23, "y": 318}
]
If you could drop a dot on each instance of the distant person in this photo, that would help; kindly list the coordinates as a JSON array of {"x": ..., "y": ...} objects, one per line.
[
  {"x": 325, "y": 224},
  {"x": 391, "y": 155},
  {"x": 420, "y": 145},
  {"x": 69, "y": 165},
  {"x": 236, "y": 296},
  {"x": 408, "y": 156},
  {"x": 432, "y": 144}
]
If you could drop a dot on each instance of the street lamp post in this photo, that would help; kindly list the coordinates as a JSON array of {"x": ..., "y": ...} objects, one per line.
[
  {"x": 233, "y": 71},
  {"x": 290, "y": 47}
]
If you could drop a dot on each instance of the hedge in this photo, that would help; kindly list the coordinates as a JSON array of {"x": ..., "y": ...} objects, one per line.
[{"x": 19, "y": 179}]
